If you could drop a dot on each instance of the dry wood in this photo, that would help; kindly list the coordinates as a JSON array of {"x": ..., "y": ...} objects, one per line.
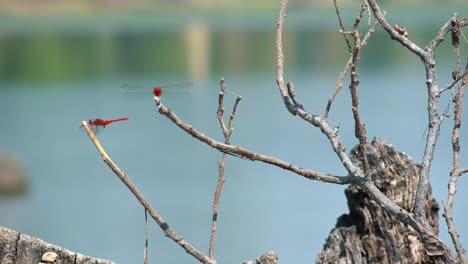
[{"x": 17, "y": 248}]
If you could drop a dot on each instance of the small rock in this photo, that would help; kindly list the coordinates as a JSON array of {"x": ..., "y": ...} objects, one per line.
[
  {"x": 268, "y": 258},
  {"x": 49, "y": 257},
  {"x": 12, "y": 176}
]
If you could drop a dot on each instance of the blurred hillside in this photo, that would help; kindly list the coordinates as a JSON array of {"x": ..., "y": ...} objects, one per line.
[{"x": 34, "y": 7}]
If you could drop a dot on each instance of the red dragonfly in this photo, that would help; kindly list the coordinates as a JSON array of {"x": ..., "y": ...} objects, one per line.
[
  {"x": 157, "y": 91},
  {"x": 98, "y": 122}
]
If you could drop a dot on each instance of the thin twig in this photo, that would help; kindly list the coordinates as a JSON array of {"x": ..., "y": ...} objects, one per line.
[
  {"x": 456, "y": 171},
  {"x": 359, "y": 128},
  {"x": 154, "y": 214},
  {"x": 338, "y": 87},
  {"x": 342, "y": 28},
  {"x": 358, "y": 18},
  {"x": 241, "y": 152},
  {"x": 339, "y": 84},
  {"x": 227, "y": 131},
  {"x": 279, "y": 51},
  {"x": 393, "y": 33},
  {"x": 450, "y": 86},
  {"x": 292, "y": 95},
  {"x": 368, "y": 13}
]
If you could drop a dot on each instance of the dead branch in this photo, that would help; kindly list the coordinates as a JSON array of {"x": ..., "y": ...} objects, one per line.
[
  {"x": 435, "y": 119},
  {"x": 394, "y": 33},
  {"x": 358, "y": 178},
  {"x": 342, "y": 28},
  {"x": 456, "y": 171},
  {"x": 338, "y": 87},
  {"x": 141, "y": 199},
  {"x": 339, "y": 84},
  {"x": 245, "y": 153},
  {"x": 359, "y": 128},
  {"x": 420, "y": 222},
  {"x": 227, "y": 131}
]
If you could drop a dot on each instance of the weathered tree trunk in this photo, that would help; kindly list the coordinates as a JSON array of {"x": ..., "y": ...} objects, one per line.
[
  {"x": 16, "y": 248},
  {"x": 370, "y": 235}
]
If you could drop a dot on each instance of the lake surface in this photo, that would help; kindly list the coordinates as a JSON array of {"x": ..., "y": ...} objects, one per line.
[{"x": 54, "y": 78}]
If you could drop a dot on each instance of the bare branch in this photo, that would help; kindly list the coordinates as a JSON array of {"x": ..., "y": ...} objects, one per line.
[
  {"x": 342, "y": 28},
  {"x": 154, "y": 214},
  {"x": 358, "y": 18},
  {"x": 244, "y": 153},
  {"x": 435, "y": 121},
  {"x": 456, "y": 172},
  {"x": 393, "y": 33},
  {"x": 220, "y": 112},
  {"x": 338, "y": 87},
  {"x": 279, "y": 50},
  {"x": 450, "y": 86},
  {"x": 359, "y": 128},
  {"x": 339, "y": 84},
  {"x": 446, "y": 28},
  {"x": 227, "y": 138}
]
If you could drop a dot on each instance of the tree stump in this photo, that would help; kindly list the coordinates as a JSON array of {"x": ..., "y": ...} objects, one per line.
[
  {"x": 368, "y": 234},
  {"x": 16, "y": 248}
]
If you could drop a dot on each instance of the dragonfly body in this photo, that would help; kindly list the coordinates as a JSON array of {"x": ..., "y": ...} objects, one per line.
[{"x": 98, "y": 122}]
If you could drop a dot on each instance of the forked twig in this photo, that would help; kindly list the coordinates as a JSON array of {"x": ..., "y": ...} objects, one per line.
[
  {"x": 227, "y": 131},
  {"x": 245, "y": 153},
  {"x": 154, "y": 214},
  {"x": 339, "y": 84},
  {"x": 456, "y": 170}
]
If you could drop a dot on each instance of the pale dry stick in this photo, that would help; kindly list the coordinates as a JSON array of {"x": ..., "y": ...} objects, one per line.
[
  {"x": 342, "y": 28},
  {"x": 359, "y": 128},
  {"x": 379, "y": 15},
  {"x": 368, "y": 13},
  {"x": 339, "y": 84},
  {"x": 244, "y": 153},
  {"x": 358, "y": 18},
  {"x": 450, "y": 86},
  {"x": 297, "y": 109},
  {"x": 435, "y": 120},
  {"x": 456, "y": 171},
  {"x": 338, "y": 87},
  {"x": 227, "y": 131},
  {"x": 141, "y": 199}
]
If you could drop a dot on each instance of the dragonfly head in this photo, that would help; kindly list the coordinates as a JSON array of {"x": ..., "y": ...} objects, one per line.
[{"x": 157, "y": 91}]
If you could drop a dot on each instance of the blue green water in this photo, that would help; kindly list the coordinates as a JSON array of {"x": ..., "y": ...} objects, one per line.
[{"x": 53, "y": 79}]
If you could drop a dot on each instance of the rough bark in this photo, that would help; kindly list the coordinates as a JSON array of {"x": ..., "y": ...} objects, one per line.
[
  {"x": 267, "y": 258},
  {"x": 368, "y": 234},
  {"x": 16, "y": 248}
]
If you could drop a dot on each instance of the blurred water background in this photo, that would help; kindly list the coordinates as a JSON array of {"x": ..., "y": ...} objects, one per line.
[{"x": 61, "y": 64}]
